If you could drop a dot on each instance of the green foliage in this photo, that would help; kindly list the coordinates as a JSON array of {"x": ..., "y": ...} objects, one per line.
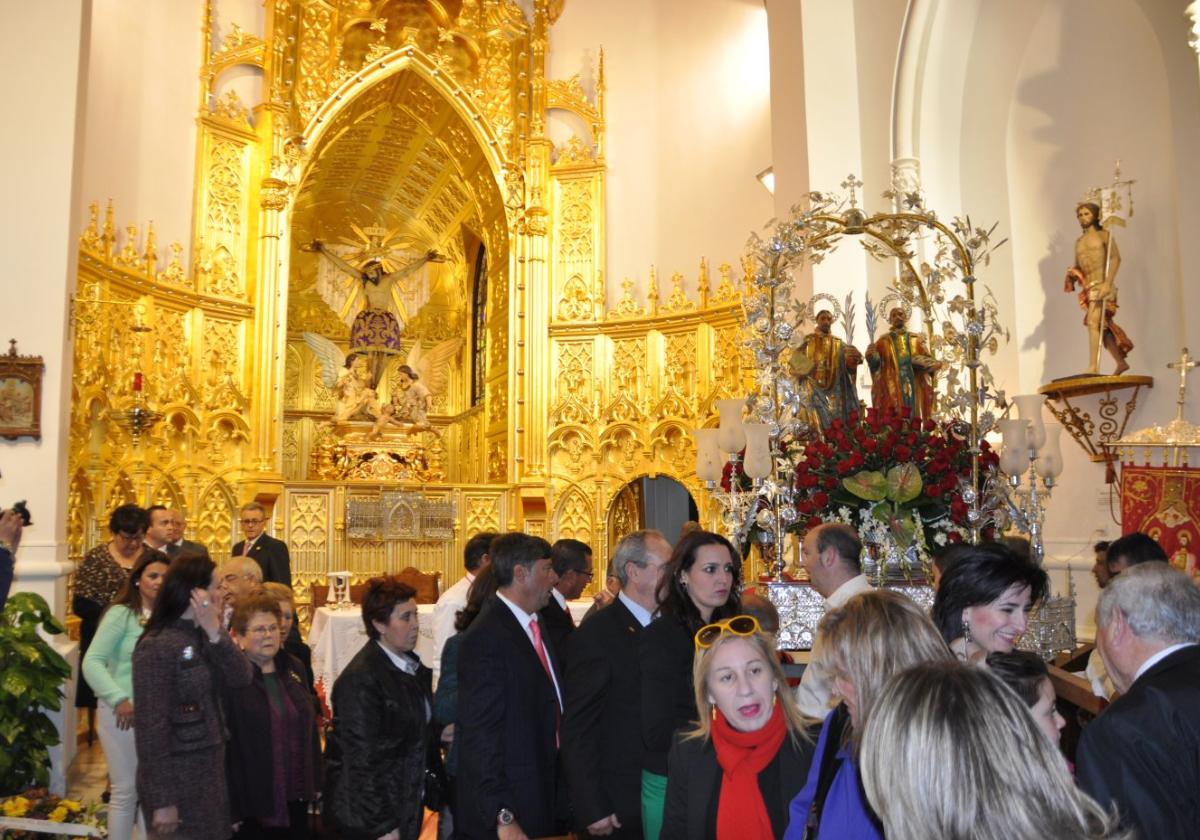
[
  {"x": 869, "y": 485},
  {"x": 31, "y": 680},
  {"x": 904, "y": 483}
]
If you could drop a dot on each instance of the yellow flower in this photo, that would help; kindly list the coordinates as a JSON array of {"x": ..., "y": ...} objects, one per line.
[
  {"x": 70, "y": 805},
  {"x": 16, "y": 807},
  {"x": 58, "y": 814}
]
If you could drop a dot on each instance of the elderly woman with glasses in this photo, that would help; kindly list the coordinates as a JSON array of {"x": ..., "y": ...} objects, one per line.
[
  {"x": 733, "y": 775},
  {"x": 274, "y": 750},
  {"x": 700, "y": 584},
  {"x": 100, "y": 576}
]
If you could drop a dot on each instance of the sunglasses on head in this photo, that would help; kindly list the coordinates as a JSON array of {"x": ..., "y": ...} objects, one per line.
[{"x": 739, "y": 625}]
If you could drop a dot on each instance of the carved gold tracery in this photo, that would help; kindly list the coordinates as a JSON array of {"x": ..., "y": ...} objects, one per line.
[{"x": 431, "y": 116}]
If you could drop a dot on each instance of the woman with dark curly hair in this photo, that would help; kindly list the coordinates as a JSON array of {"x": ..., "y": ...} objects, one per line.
[
  {"x": 100, "y": 576},
  {"x": 982, "y": 605},
  {"x": 376, "y": 751},
  {"x": 701, "y": 584}
]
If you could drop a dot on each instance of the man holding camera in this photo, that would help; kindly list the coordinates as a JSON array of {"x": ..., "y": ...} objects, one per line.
[{"x": 11, "y": 523}]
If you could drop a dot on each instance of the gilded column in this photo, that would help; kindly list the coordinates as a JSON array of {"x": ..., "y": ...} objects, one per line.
[
  {"x": 271, "y": 332},
  {"x": 537, "y": 293}
]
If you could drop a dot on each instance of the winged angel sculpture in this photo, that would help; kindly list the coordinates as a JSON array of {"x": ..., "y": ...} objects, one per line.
[{"x": 375, "y": 289}]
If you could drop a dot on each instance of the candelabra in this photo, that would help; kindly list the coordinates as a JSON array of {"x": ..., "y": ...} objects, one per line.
[
  {"x": 1030, "y": 448},
  {"x": 139, "y": 417}
]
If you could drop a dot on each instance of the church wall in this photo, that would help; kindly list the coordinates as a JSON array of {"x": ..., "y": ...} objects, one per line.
[
  {"x": 40, "y": 55},
  {"x": 1023, "y": 107},
  {"x": 849, "y": 55},
  {"x": 688, "y": 115},
  {"x": 139, "y": 144}
]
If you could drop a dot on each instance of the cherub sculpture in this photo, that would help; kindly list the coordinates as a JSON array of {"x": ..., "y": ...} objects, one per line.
[
  {"x": 411, "y": 401},
  {"x": 348, "y": 377}
]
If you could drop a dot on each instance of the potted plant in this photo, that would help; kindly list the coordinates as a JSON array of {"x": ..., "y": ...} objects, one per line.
[{"x": 32, "y": 674}]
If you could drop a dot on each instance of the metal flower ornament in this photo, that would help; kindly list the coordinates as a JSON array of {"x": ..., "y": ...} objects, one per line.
[{"x": 904, "y": 480}]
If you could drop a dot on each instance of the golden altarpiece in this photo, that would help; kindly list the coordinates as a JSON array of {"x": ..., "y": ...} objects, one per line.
[{"x": 429, "y": 120}]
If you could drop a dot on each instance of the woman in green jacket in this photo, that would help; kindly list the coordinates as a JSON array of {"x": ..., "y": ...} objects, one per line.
[{"x": 108, "y": 667}]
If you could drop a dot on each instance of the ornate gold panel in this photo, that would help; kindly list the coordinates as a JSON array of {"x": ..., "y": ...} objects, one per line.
[{"x": 428, "y": 117}]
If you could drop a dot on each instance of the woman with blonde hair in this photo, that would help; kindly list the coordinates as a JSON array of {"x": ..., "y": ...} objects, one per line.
[
  {"x": 860, "y": 645},
  {"x": 733, "y": 775},
  {"x": 958, "y": 732}
]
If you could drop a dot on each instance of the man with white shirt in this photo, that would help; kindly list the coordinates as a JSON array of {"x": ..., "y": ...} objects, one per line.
[
  {"x": 475, "y": 557},
  {"x": 830, "y": 554},
  {"x": 572, "y": 561},
  {"x": 1133, "y": 549},
  {"x": 161, "y": 528},
  {"x": 601, "y": 730},
  {"x": 270, "y": 554},
  {"x": 178, "y": 545},
  {"x": 510, "y": 704},
  {"x": 1143, "y": 752}
]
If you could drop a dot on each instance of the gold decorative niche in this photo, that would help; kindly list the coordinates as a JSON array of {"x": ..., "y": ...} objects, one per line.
[{"x": 430, "y": 117}]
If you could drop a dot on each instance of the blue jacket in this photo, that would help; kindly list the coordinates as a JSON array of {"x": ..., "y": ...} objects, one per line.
[{"x": 845, "y": 815}]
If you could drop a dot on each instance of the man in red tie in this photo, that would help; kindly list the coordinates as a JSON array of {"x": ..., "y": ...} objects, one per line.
[
  {"x": 510, "y": 704},
  {"x": 271, "y": 554},
  {"x": 572, "y": 561}
]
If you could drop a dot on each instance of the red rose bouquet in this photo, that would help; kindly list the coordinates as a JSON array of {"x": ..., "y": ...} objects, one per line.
[{"x": 891, "y": 476}]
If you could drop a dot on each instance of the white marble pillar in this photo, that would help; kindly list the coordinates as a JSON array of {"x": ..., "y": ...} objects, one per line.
[{"x": 41, "y": 48}]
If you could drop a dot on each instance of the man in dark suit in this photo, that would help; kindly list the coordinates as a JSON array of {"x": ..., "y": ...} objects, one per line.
[
  {"x": 601, "y": 731},
  {"x": 572, "y": 561},
  {"x": 178, "y": 545},
  {"x": 510, "y": 704},
  {"x": 162, "y": 526},
  {"x": 270, "y": 554},
  {"x": 1143, "y": 752}
]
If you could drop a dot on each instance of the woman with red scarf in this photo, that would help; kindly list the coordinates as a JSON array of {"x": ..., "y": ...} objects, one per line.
[{"x": 735, "y": 773}]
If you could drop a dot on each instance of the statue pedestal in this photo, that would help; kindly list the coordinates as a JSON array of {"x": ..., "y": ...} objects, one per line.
[
  {"x": 1091, "y": 434},
  {"x": 346, "y": 452}
]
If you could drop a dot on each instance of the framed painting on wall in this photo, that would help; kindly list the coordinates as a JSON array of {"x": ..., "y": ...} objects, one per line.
[{"x": 20, "y": 395}]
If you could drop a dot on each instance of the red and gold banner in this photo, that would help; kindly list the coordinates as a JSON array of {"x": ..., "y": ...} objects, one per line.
[{"x": 1164, "y": 502}]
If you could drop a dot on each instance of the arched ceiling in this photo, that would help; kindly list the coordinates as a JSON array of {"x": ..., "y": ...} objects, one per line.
[{"x": 400, "y": 157}]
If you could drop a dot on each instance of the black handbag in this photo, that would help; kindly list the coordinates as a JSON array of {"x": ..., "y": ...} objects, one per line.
[{"x": 435, "y": 793}]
